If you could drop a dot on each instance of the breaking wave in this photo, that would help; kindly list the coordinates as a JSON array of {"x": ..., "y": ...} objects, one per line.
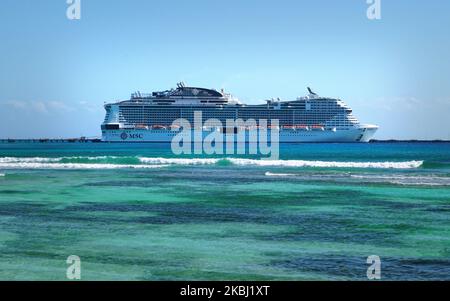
[
  {"x": 29, "y": 165},
  {"x": 27, "y": 160},
  {"x": 112, "y": 162},
  {"x": 286, "y": 163},
  {"x": 271, "y": 174},
  {"x": 414, "y": 180},
  {"x": 179, "y": 161},
  {"x": 395, "y": 179},
  {"x": 329, "y": 164}
]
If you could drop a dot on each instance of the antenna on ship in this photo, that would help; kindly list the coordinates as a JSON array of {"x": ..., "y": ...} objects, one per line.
[{"x": 311, "y": 92}]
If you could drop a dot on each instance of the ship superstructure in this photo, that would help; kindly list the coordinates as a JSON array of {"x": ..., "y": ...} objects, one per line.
[{"x": 149, "y": 117}]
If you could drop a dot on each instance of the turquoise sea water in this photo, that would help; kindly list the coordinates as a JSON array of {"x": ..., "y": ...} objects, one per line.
[{"x": 137, "y": 212}]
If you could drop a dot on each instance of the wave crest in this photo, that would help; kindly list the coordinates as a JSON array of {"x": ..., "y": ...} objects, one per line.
[
  {"x": 271, "y": 174},
  {"x": 111, "y": 162},
  {"x": 284, "y": 163},
  {"x": 329, "y": 164},
  {"x": 29, "y": 165},
  {"x": 177, "y": 161}
]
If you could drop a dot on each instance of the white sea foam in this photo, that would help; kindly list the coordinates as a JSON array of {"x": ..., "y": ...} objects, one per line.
[
  {"x": 28, "y": 160},
  {"x": 50, "y": 160},
  {"x": 396, "y": 179},
  {"x": 271, "y": 174},
  {"x": 330, "y": 164},
  {"x": 87, "y": 158},
  {"x": 285, "y": 163},
  {"x": 419, "y": 183},
  {"x": 2, "y": 175},
  {"x": 399, "y": 177},
  {"x": 39, "y": 165},
  {"x": 422, "y": 180},
  {"x": 148, "y": 161},
  {"x": 177, "y": 161}
]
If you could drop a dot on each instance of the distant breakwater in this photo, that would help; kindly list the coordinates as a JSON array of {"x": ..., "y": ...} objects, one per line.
[{"x": 98, "y": 140}]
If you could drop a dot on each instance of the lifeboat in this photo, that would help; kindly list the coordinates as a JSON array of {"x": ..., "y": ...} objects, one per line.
[
  {"x": 158, "y": 127},
  {"x": 317, "y": 128},
  {"x": 141, "y": 127},
  {"x": 302, "y": 127},
  {"x": 289, "y": 127}
]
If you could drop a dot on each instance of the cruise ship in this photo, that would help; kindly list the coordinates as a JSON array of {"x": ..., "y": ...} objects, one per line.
[{"x": 150, "y": 117}]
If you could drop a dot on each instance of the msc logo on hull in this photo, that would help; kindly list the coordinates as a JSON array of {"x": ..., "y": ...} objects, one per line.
[{"x": 125, "y": 136}]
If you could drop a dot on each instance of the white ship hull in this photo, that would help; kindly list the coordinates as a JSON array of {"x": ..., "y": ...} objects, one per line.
[
  {"x": 151, "y": 118},
  {"x": 352, "y": 134}
]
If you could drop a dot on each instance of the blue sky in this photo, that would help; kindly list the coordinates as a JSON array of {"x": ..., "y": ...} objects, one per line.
[{"x": 55, "y": 74}]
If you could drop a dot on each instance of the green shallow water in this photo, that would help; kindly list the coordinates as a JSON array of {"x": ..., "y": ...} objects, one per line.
[{"x": 225, "y": 221}]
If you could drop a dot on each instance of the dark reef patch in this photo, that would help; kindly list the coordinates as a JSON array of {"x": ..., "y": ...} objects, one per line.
[{"x": 355, "y": 268}]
